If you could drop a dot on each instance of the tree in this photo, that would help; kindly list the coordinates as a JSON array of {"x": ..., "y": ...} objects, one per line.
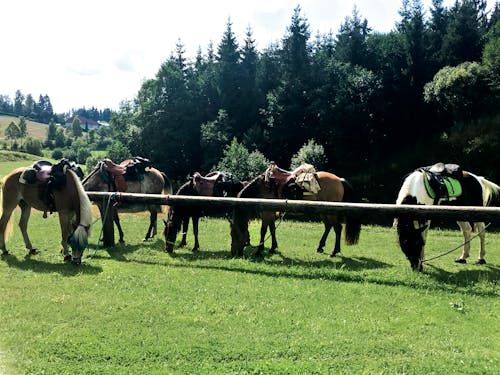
[
  {"x": 351, "y": 45},
  {"x": 18, "y": 103},
  {"x": 461, "y": 91},
  {"x": 51, "y": 131},
  {"x": 12, "y": 132},
  {"x": 214, "y": 136},
  {"x": 463, "y": 40},
  {"x": 23, "y": 128},
  {"x": 76, "y": 127}
]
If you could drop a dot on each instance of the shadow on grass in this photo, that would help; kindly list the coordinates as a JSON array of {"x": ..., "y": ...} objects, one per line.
[
  {"x": 341, "y": 268},
  {"x": 31, "y": 263},
  {"x": 465, "y": 277}
]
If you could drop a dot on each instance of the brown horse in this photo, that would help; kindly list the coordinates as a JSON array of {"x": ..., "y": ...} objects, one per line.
[
  {"x": 276, "y": 183},
  {"x": 105, "y": 176},
  {"x": 70, "y": 201}
]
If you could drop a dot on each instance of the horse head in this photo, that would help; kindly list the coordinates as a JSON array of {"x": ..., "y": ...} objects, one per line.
[{"x": 412, "y": 234}]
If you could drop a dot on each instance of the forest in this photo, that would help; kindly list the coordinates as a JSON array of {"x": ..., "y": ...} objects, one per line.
[{"x": 365, "y": 105}]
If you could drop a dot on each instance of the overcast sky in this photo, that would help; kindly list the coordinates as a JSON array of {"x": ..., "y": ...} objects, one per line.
[{"x": 98, "y": 52}]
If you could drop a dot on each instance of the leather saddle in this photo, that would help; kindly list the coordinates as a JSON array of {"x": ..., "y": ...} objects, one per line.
[{"x": 128, "y": 170}]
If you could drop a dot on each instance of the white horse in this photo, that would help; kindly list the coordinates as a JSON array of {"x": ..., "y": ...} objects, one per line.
[{"x": 470, "y": 190}]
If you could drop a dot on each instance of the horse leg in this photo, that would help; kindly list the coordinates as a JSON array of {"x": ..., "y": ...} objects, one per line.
[
  {"x": 116, "y": 219},
  {"x": 274, "y": 244},
  {"x": 185, "y": 226},
  {"x": 263, "y": 231},
  {"x": 466, "y": 230},
  {"x": 23, "y": 225},
  {"x": 482, "y": 237},
  {"x": 5, "y": 226},
  {"x": 65, "y": 224},
  {"x": 337, "y": 227},
  {"x": 196, "y": 246},
  {"x": 152, "y": 225},
  {"x": 322, "y": 242}
]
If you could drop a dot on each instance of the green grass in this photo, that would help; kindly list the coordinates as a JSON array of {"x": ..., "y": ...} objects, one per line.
[{"x": 135, "y": 309}]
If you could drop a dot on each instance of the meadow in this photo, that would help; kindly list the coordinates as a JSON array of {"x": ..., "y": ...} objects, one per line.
[{"x": 133, "y": 309}]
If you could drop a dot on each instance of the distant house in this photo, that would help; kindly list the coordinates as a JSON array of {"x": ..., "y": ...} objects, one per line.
[{"x": 85, "y": 123}]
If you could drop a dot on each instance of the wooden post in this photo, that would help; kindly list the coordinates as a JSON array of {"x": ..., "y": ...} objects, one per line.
[{"x": 108, "y": 229}]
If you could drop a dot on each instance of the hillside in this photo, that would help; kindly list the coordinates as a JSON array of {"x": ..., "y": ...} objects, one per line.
[{"x": 36, "y": 130}]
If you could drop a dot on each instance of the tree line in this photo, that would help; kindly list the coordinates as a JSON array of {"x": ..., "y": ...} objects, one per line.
[{"x": 379, "y": 104}]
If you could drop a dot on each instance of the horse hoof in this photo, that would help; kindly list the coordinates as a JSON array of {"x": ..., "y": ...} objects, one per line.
[
  {"x": 195, "y": 249},
  {"x": 480, "y": 261},
  {"x": 460, "y": 260},
  {"x": 76, "y": 261},
  {"x": 5, "y": 253},
  {"x": 67, "y": 258},
  {"x": 320, "y": 250},
  {"x": 33, "y": 252}
]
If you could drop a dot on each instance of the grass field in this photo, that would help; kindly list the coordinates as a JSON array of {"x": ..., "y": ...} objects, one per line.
[
  {"x": 35, "y": 130},
  {"x": 134, "y": 309}
]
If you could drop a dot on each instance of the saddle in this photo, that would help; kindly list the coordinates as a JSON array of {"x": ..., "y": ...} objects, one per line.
[
  {"x": 128, "y": 170},
  {"x": 49, "y": 177},
  {"x": 303, "y": 176},
  {"x": 205, "y": 185},
  {"x": 443, "y": 181}
]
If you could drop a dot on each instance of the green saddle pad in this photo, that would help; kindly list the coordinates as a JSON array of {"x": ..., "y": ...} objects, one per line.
[{"x": 450, "y": 188}]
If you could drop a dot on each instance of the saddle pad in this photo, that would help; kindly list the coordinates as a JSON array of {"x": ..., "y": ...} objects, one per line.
[
  {"x": 451, "y": 187},
  {"x": 308, "y": 182}
]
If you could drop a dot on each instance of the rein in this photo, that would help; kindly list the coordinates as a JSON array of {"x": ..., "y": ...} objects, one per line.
[
  {"x": 277, "y": 225},
  {"x": 459, "y": 246},
  {"x": 105, "y": 216}
]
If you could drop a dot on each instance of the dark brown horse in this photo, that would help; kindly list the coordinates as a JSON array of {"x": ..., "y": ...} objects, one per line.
[
  {"x": 214, "y": 184},
  {"x": 276, "y": 183},
  {"x": 69, "y": 200},
  {"x": 110, "y": 177}
]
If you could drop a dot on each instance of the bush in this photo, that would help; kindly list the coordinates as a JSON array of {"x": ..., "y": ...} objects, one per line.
[
  {"x": 310, "y": 153},
  {"x": 239, "y": 161},
  {"x": 57, "y": 154},
  {"x": 33, "y": 146}
]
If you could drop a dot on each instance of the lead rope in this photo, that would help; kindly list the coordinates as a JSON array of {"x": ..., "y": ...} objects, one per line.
[
  {"x": 106, "y": 211},
  {"x": 459, "y": 246}
]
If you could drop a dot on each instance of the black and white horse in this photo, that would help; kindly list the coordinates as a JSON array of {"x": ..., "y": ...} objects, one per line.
[{"x": 431, "y": 186}]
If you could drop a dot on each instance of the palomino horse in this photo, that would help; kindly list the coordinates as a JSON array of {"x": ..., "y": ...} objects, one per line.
[
  {"x": 442, "y": 184},
  {"x": 130, "y": 176},
  {"x": 214, "y": 184},
  {"x": 276, "y": 183},
  {"x": 69, "y": 200}
]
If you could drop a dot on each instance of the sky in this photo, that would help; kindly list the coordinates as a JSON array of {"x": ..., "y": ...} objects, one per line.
[{"x": 97, "y": 53}]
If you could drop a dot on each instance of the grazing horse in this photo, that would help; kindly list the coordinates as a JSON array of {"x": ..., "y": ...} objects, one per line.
[
  {"x": 66, "y": 196},
  {"x": 276, "y": 183},
  {"x": 130, "y": 176},
  {"x": 442, "y": 184},
  {"x": 214, "y": 184}
]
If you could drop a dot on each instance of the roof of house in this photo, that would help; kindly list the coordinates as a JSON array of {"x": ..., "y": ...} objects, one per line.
[{"x": 83, "y": 120}]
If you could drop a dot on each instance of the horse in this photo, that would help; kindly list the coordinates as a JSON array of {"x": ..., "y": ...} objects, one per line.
[
  {"x": 53, "y": 188},
  {"x": 442, "y": 184},
  {"x": 277, "y": 183},
  {"x": 214, "y": 184},
  {"x": 130, "y": 176}
]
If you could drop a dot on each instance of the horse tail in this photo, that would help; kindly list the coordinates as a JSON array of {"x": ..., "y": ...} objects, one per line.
[
  {"x": 79, "y": 239},
  {"x": 352, "y": 223},
  {"x": 491, "y": 192},
  {"x": 9, "y": 228}
]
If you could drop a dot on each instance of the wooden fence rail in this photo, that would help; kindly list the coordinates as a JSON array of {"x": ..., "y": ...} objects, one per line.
[{"x": 365, "y": 211}]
